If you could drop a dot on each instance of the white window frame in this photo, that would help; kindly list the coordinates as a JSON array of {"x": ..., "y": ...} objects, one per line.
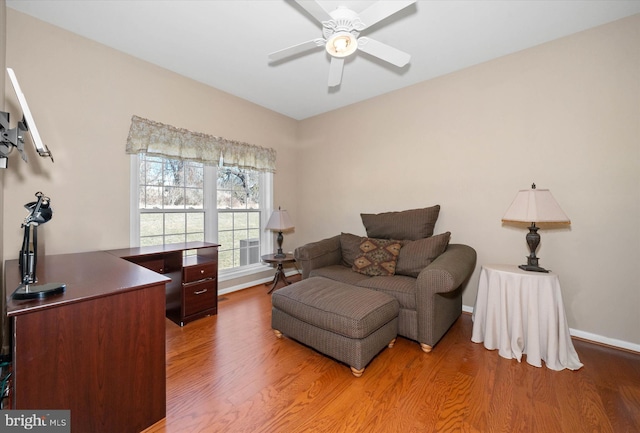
[{"x": 211, "y": 216}]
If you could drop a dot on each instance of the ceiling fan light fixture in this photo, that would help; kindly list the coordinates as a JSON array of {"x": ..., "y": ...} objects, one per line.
[{"x": 341, "y": 44}]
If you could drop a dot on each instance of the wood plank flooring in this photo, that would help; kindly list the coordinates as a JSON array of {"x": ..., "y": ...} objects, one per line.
[{"x": 229, "y": 373}]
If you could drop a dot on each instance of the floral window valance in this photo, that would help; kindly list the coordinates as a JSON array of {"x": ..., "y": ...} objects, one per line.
[{"x": 154, "y": 138}]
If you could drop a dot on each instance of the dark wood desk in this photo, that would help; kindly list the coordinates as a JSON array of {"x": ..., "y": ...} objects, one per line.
[
  {"x": 192, "y": 292},
  {"x": 98, "y": 349}
]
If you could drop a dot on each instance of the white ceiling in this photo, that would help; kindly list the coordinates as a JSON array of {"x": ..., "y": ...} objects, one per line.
[{"x": 225, "y": 43}]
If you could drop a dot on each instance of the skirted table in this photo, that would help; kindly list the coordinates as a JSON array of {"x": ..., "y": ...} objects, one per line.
[{"x": 521, "y": 312}]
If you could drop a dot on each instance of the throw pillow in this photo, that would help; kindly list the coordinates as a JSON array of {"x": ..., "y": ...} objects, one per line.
[
  {"x": 407, "y": 225},
  {"x": 350, "y": 246},
  {"x": 417, "y": 255},
  {"x": 377, "y": 257}
]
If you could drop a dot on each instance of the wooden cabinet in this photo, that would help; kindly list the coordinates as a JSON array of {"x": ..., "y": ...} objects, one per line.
[
  {"x": 98, "y": 349},
  {"x": 192, "y": 292}
]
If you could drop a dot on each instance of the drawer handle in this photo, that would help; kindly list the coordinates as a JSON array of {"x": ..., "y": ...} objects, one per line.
[
  {"x": 200, "y": 292},
  {"x": 201, "y": 271}
]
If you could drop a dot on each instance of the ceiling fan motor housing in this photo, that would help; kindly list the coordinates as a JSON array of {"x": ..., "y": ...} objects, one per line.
[{"x": 342, "y": 31}]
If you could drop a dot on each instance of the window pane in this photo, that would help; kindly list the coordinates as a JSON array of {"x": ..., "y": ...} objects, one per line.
[
  {"x": 151, "y": 197},
  {"x": 150, "y": 241},
  {"x": 151, "y": 224},
  {"x": 224, "y": 199},
  {"x": 152, "y": 172},
  {"x": 195, "y": 222},
  {"x": 174, "y": 223},
  {"x": 174, "y": 239},
  {"x": 254, "y": 220},
  {"x": 225, "y": 221},
  {"x": 195, "y": 237},
  {"x": 225, "y": 259},
  {"x": 239, "y": 220},
  {"x": 194, "y": 198},
  {"x": 240, "y": 235},
  {"x": 194, "y": 175},
  {"x": 174, "y": 198},
  {"x": 225, "y": 239}
]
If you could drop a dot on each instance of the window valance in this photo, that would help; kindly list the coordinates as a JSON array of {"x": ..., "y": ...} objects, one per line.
[{"x": 155, "y": 138}]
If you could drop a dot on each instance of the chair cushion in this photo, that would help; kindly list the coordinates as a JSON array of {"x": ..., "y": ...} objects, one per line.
[
  {"x": 339, "y": 273},
  {"x": 417, "y": 255},
  {"x": 352, "y": 311},
  {"x": 377, "y": 257},
  {"x": 405, "y": 225}
]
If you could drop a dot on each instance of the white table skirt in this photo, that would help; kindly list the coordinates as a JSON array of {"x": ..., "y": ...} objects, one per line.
[{"x": 521, "y": 312}]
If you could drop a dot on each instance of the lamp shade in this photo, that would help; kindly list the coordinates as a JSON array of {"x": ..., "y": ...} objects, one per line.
[
  {"x": 279, "y": 221},
  {"x": 535, "y": 206}
]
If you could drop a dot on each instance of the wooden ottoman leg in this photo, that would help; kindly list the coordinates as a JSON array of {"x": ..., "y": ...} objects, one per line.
[
  {"x": 392, "y": 342},
  {"x": 356, "y": 372},
  {"x": 278, "y": 333},
  {"x": 425, "y": 347}
]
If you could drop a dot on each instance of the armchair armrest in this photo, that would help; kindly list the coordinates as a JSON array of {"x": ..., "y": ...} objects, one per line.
[
  {"x": 325, "y": 252},
  {"x": 439, "y": 292},
  {"x": 447, "y": 272}
]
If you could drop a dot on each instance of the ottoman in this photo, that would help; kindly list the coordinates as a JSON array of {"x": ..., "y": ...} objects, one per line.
[{"x": 349, "y": 323}]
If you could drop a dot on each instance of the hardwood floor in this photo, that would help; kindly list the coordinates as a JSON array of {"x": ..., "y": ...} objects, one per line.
[{"x": 229, "y": 373}]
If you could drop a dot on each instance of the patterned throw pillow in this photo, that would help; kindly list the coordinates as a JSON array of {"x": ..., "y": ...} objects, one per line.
[{"x": 377, "y": 257}]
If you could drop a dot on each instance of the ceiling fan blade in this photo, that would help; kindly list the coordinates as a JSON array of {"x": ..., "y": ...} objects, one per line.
[
  {"x": 314, "y": 9},
  {"x": 296, "y": 49},
  {"x": 381, "y": 10},
  {"x": 335, "y": 71},
  {"x": 383, "y": 51}
]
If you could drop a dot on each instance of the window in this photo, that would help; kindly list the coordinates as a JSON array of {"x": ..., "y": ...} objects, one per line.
[
  {"x": 184, "y": 201},
  {"x": 238, "y": 206},
  {"x": 171, "y": 201}
]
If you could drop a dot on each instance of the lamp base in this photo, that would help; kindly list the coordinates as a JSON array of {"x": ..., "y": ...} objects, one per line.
[
  {"x": 533, "y": 240},
  {"x": 532, "y": 264},
  {"x": 532, "y": 268},
  {"x": 30, "y": 291}
]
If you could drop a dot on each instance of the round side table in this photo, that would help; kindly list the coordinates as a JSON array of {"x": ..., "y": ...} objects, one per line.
[{"x": 278, "y": 261}]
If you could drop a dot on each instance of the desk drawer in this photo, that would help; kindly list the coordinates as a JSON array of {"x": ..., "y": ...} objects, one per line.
[
  {"x": 199, "y": 297},
  {"x": 199, "y": 272},
  {"x": 156, "y": 265}
]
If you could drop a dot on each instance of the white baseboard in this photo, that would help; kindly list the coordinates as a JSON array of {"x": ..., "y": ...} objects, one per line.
[
  {"x": 613, "y": 342},
  {"x": 246, "y": 285}
]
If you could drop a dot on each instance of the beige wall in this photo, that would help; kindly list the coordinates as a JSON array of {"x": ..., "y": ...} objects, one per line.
[
  {"x": 564, "y": 115},
  {"x": 83, "y": 95}
]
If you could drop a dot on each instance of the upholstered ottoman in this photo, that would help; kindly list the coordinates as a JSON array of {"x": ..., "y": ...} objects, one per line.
[{"x": 351, "y": 324}]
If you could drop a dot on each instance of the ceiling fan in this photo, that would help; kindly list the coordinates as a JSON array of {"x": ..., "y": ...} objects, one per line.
[{"x": 341, "y": 35}]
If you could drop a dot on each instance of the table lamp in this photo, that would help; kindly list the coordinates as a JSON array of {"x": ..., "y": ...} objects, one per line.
[
  {"x": 279, "y": 222},
  {"x": 534, "y": 206}
]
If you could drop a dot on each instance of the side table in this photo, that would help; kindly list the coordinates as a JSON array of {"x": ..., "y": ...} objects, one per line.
[
  {"x": 278, "y": 261},
  {"x": 521, "y": 312}
]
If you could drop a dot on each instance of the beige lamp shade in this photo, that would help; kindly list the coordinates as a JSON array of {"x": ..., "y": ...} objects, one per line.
[
  {"x": 535, "y": 206},
  {"x": 279, "y": 221}
]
